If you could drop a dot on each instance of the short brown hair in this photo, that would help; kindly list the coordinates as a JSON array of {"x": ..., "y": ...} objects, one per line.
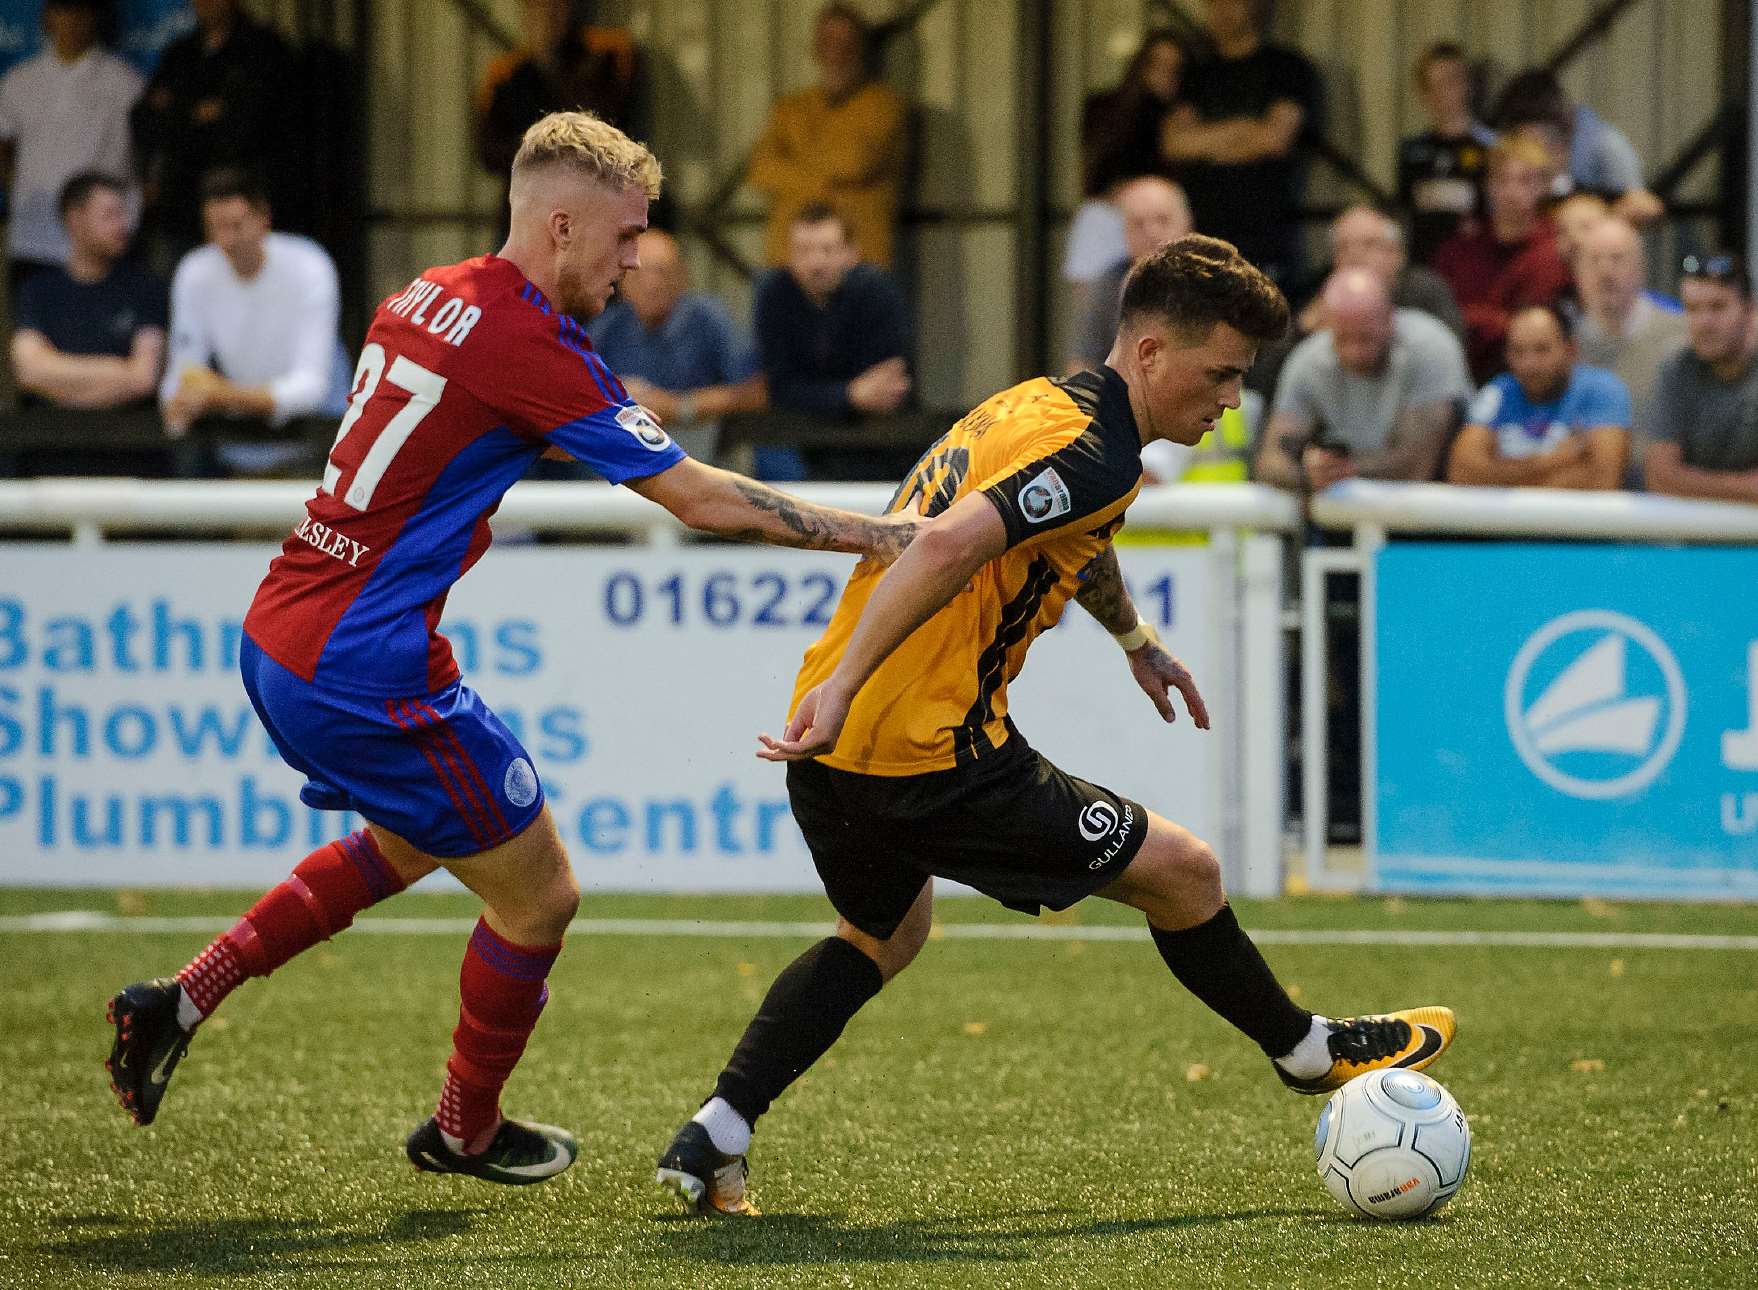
[
  {"x": 821, "y": 213},
  {"x": 1442, "y": 51},
  {"x": 596, "y": 148},
  {"x": 1199, "y": 281}
]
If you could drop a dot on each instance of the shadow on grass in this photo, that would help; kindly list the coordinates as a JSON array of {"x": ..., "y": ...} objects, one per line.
[
  {"x": 234, "y": 1246},
  {"x": 822, "y": 1238}
]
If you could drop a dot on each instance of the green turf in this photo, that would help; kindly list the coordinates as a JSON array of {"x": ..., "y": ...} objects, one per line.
[{"x": 1006, "y": 1114}]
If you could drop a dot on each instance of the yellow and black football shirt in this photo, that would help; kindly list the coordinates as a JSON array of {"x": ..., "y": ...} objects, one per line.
[{"x": 1061, "y": 461}]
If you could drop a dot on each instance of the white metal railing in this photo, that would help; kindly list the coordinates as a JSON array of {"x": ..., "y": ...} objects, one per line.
[
  {"x": 1532, "y": 513},
  {"x": 88, "y": 508}
]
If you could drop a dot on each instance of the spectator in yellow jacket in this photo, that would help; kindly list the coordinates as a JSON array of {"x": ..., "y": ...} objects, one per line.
[{"x": 842, "y": 143}]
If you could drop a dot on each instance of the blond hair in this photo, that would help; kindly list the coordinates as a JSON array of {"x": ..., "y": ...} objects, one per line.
[
  {"x": 594, "y": 147},
  {"x": 1518, "y": 146}
]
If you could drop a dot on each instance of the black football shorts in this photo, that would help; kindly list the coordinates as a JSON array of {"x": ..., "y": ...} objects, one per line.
[{"x": 1009, "y": 824}]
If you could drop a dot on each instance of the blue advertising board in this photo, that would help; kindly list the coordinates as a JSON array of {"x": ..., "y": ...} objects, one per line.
[{"x": 1566, "y": 720}]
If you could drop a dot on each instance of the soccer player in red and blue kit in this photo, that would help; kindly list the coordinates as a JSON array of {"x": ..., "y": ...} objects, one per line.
[{"x": 468, "y": 375}]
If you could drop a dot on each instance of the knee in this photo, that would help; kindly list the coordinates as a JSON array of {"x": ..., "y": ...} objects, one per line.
[
  {"x": 891, "y": 955},
  {"x": 1199, "y": 868},
  {"x": 560, "y": 903}
]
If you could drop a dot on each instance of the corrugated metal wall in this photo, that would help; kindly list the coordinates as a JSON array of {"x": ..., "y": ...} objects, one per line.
[{"x": 717, "y": 64}]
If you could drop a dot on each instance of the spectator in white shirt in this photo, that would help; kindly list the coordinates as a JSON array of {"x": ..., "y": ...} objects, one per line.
[
  {"x": 253, "y": 334},
  {"x": 62, "y": 112}
]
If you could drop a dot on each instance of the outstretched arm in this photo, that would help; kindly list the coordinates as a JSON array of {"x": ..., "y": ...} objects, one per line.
[
  {"x": 938, "y": 565},
  {"x": 1106, "y": 598},
  {"x": 718, "y": 501}
]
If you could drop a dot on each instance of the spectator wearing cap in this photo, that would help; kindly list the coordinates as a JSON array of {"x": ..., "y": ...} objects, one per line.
[
  {"x": 678, "y": 351},
  {"x": 63, "y": 112},
  {"x": 841, "y": 143},
  {"x": 1507, "y": 259},
  {"x": 1375, "y": 393},
  {"x": 254, "y": 348},
  {"x": 1549, "y": 421},
  {"x": 90, "y": 336},
  {"x": 1440, "y": 170},
  {"x": 1702, "y": 430},
  {"x": 1622, "y": 327}
]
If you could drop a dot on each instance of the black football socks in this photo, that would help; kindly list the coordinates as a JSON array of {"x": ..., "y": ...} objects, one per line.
[
  {"x": 1217, "y": 962},
  {"x": 801, "y": 1017}
]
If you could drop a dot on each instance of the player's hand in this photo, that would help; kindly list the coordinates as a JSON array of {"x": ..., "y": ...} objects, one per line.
[
  {"x": 816, "y": 725},
  {"x": 1158, "y": 674}
]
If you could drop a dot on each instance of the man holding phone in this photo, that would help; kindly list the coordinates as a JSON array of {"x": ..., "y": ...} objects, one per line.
[{"x": 1375, "y": 393}]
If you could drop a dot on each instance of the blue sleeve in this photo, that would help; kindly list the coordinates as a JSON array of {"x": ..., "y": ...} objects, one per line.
[
  {"x": 1606, "y": 401},
  {"x": 621, "y": 442}
]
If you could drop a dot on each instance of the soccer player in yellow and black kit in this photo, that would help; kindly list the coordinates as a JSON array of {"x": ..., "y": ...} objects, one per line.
[{"x": 903, "y": 763}]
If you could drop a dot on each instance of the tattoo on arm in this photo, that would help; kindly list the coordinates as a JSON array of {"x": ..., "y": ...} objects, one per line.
[
  {"x": 818, "y": 528},
  {"x": 1104, "y": 596}
]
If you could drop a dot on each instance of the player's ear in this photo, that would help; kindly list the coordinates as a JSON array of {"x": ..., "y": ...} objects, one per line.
[
  {"x": 561, "y": 228},
  {"x": 1148, "y": 347}
]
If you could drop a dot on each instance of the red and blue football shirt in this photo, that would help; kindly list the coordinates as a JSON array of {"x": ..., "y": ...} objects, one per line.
[{"x": 466, "y": 377}]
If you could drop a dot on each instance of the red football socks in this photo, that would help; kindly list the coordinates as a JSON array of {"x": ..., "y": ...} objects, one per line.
[
  {"x": 319, "y": 899},
  {"x": 501, "y": 994}
]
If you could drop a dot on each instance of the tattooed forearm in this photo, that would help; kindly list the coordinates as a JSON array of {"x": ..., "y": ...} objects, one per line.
[
  {"x": 787, "y": 521},
  {"x": 1104, "y": 596}
]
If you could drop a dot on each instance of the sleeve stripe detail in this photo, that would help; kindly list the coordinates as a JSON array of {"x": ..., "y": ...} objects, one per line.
[{"x": 573, "y": 336}]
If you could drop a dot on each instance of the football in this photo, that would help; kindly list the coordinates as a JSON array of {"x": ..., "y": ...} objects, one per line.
[{"x": 1392, "y": 1144}]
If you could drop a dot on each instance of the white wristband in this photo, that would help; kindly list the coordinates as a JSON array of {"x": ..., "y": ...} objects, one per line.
[{"x": 1136, "y": 636}]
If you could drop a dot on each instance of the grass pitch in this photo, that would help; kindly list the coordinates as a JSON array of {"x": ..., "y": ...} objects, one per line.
[{"x": 1009, "y": 1113}]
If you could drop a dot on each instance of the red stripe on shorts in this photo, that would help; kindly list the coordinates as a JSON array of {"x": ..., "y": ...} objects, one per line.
[
  {"x": 459, "y": 803},
  {"x": 444, "y": 730}
]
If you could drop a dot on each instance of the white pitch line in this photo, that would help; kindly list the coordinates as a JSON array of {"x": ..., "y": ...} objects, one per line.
[{"x": 79, "y": 920}]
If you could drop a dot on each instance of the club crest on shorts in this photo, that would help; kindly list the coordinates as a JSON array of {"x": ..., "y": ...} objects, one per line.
[
  {"x": 520, "y": 783},
  {"x": 1045, "y": 497},
  {"x": 639, "y": 422}
]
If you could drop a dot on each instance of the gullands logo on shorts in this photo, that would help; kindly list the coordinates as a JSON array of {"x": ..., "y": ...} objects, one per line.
[
  {"x": 520, "y": 783},
  {"x": 1097, "y": 820},
  {"x": 1045, "y": 497},
  {"x": 1595, "y": 704}
]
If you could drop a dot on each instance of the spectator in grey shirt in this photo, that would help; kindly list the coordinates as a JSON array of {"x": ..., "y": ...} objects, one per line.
[
  {"x": 1702, "y": 428},
  {"x": 1622, "y": 328},
  {"x": 1377, "y": 393}
]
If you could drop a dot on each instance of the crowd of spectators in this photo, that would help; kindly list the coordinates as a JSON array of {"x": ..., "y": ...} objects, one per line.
[{"x": 1495, "y": 326}]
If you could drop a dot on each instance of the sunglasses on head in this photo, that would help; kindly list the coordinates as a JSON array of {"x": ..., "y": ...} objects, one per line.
[{"x": 1717, "y": 268}]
